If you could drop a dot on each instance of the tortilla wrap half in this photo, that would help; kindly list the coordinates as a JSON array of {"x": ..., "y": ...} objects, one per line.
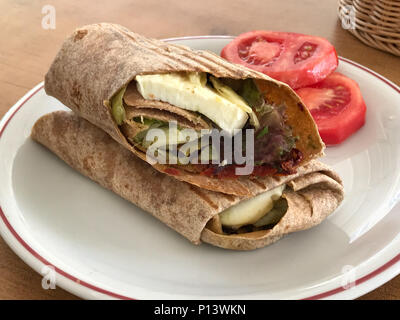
[
  {"x": 311, "y": 194},
  {"x": 98, "y": 61}
]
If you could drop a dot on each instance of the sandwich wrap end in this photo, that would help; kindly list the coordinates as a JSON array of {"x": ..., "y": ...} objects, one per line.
[
  {"x": 312, "y": 193},
  {"x": 97, "y": 60}
]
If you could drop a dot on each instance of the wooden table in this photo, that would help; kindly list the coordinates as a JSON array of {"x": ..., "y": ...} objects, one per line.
[{"x": 26, "y": 51}]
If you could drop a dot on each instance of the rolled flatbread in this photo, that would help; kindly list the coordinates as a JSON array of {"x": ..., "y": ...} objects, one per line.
[
  {"x": 102, "y": 66},
  {"x": 310, "y": 195}
]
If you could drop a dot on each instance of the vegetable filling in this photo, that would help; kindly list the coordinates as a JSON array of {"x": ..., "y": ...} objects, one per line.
[{"x": 220, "y": 103}]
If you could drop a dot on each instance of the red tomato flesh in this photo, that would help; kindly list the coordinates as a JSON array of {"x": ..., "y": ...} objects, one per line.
[
  {"x": 297, "y": 59},
  {"x": 337, "y": 107}
]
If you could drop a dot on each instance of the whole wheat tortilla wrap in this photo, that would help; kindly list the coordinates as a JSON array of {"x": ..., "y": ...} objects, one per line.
[
  {"x": 101, "y": 63},
  {"x": 310, "y": 195}
]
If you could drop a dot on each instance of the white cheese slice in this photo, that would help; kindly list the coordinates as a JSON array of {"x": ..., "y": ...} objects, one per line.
[
  {"x": 182, "y": 91},
  {"x": 251, "y": 210}
]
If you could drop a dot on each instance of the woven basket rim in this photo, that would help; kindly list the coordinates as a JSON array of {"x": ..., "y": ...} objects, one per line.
[{"x": 374, "y": 22}]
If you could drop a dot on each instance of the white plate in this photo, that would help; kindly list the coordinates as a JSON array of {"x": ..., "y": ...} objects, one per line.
[{"x": 104, "y": 247}]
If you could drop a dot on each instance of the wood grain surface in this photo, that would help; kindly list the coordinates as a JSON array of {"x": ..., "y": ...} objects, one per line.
[{"x": 26, "y": 51}]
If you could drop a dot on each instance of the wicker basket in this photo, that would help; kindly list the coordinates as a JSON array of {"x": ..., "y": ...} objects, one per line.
[{"x": 374, "y": 22}]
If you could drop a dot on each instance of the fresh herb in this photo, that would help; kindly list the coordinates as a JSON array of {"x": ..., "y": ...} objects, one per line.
[
  {"x": 262, "y": 133},
  {"x": 250, "y": 93},
  {"x": 117, "y": 107}
]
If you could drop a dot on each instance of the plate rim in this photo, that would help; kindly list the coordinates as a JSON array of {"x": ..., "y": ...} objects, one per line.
[{"x": 84, "y": 289}]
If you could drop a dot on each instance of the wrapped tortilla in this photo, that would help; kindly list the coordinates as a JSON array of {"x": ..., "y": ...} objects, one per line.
[
  {"x": 286, "y": 204},
  {"x": 127, "y": 84}
]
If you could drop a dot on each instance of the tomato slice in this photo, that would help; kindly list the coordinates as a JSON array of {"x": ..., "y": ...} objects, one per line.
[
  {"x": 337, "y": 107},
  {"x": 297, "y": 59}
]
